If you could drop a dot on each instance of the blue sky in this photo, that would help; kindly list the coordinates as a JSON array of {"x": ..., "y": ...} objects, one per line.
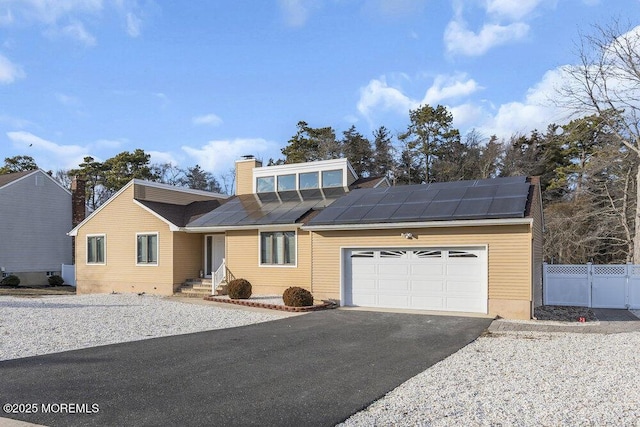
[{"x": 208, "y": 81}]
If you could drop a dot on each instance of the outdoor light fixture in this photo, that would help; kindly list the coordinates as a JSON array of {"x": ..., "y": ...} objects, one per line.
[{"x": 407, "y": 236}]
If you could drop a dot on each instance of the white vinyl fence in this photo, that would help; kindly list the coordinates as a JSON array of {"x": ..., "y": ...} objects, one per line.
[
  {"x": 69, "y": 274},
  {"x": 589, "y": 285}
]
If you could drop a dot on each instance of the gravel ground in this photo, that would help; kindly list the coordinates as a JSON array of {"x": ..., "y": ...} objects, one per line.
[
  {"x": 521, "y": 379},
  {"x": 33, "y": 326}
]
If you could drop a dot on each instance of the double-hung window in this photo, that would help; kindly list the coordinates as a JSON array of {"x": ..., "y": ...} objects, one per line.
[
  {"x": 278, "y": 248},
  {"x": 95, "y": 249},
  {"x": 147, "y": 249}
]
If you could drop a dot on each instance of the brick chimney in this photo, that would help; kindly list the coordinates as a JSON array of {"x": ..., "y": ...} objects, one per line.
[
  {"x": 78, "y": 207},
  {"x": 78, "y": 200}
]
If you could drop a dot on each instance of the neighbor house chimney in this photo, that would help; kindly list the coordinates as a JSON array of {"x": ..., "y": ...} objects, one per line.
[
  {"x": 244, "y": 174},
  {"x": 78, "y": 207}
]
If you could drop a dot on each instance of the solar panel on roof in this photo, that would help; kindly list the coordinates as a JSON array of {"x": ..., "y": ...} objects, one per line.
[
  {"x": 370, "y": 198},
  {"x": 353, "y": 214},
  {"x": 508, "y": 206},
  {"x": 311, "y": 194},
  {"x": 472, "y": 208},
  {"x": 510, "y": 190},
  {"x": 268, "y": 197},
  {"x": 410, "y": 211},
  {"x": 334, "y": 191},
  {"x": 439, "y": 210},
  {"x": 394, "y": 198},
  {"x": 289, "y": 196},
  {"x": 455, "y": 193},
  {"x": 380, "y": 213},
  {"x": 482, "y": 192},
  {"x": 422, "y": 195}
]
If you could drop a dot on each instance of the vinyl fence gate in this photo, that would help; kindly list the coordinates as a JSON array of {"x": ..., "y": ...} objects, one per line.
[{"x": 589, "y": 285}]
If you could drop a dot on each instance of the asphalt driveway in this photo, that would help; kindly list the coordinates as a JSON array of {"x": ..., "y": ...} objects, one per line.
[{"x": 315, "y": 369}]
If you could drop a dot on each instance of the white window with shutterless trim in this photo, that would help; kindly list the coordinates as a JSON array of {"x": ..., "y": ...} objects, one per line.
[
  {"x": 96, "y": 249},
  {"x": 147, "y": 249},
  {"x": 278, "y": 248}
]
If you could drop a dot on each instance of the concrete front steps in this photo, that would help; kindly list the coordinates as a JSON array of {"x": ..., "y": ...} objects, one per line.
[{"x": 195, "y": 288}]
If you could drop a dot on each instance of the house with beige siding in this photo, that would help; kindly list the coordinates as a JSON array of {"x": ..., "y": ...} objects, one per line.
[
  {"x": 466, "y": 246},
  {"x": 135, "y": 242}
]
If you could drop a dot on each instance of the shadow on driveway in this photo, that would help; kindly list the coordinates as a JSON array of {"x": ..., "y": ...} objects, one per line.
[{"x": 315, "y": 369}]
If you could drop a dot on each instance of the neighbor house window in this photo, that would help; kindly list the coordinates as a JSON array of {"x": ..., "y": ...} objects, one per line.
[
  {"x": 332, "y": 178},
  {"x": 278, "y": 248},
  {"x": 265, "y": 185},
  {"x": 286, "y": 182},
  {"x": 95, "y": 249},
  {"x": 308, "y": 180},
  {"x": 147, "y": 248}
]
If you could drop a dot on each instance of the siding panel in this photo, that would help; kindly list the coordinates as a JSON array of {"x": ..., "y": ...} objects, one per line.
[
  {"x": 243, "y": 262},
  {"x": 120, "y": 220},
  {"x": 509, "y": 251}
]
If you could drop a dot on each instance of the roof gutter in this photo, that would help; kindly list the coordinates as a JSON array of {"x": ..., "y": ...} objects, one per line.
[
  {"x": 222, "y": 228},
  {"x": 424, "y": 224}
]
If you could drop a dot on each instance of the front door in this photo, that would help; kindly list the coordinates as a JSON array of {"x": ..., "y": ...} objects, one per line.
[{"x": 213, "y": 253}]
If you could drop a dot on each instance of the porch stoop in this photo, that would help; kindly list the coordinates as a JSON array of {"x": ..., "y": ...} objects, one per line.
[{"x": 195, "y": 288}]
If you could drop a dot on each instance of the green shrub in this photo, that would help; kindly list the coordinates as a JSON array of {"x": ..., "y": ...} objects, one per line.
[
  {"x": 239, "y": 289},
  {"x": 56, "y": 280},
  {"x": 10, "y": 280},
  {"x": 297, "y": 297}
]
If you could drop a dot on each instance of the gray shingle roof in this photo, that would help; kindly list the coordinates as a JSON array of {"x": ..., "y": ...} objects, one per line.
[{"x": 10, "y": 177}]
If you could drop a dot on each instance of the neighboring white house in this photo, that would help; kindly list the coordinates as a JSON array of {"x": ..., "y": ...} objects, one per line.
[{"x": 35, "y": 216}]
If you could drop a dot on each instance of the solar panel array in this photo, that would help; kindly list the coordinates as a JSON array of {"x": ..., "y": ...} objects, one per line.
[
  {"x": 480, "y": 199},
  {"x": 262, "y": 209}
]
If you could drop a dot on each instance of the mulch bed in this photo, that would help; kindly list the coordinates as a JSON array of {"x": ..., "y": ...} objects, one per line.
[
  {"x": 562, "y": 313},
  {"x": 249, "y": 303}
]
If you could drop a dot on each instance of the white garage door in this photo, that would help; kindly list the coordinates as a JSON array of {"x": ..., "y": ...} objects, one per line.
[{"x": 450, "y": 279}]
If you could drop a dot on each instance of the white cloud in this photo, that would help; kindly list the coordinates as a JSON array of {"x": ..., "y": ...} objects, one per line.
[
  {"x": 48, "y": 155},
  {"x": 512, "y": 9},
  {"x": 207, "y": 119},
  {"x": 50, "y": 11},
  {"x": 219, "y": 156},
  {"x": 460, "y": 40},
  {"x": 448, "y": 87},
  {"x": 380, "y": 96},
  {"x": 108, "y": 143},
  {"x": 162, "y": 157},
  {"x": 134, "y": 25},
  {"x": 296, "y": 12},
  {"x": 76, "y": 31},
  {"x": 68, "y": 100},
  {"x": 9, "y": 71}
]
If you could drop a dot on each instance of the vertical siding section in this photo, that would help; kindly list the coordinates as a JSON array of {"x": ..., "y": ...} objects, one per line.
[
  {"x": 120, "y": 220},
  {"x": 509, "y": 254},
  {"x": 243, "y": 262}
]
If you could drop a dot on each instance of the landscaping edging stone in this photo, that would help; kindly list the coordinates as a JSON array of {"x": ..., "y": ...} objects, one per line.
[{"x": 326, "y": 305}]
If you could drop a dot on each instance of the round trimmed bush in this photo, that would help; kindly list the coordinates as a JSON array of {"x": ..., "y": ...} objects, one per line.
[
  {"x": 56, "y": 280},
  {"x": 10, "y": 280},
  {"x": 296, "y": 296},
  {"x": 239, "y": 289}
]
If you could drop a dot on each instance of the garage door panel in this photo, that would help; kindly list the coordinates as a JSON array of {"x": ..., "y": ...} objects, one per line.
[
  {"x": 424, "y": 278},
  {"x": 427, "y": 270},
  {"x": 393, "y": 270},
  {"x": 427, "y": 286},
  {"x": 427, "y": 303},
  {"x": 363, "y": 284},
  {"x": 460, "y": 287},
  {"x": 394, "y": 285}
]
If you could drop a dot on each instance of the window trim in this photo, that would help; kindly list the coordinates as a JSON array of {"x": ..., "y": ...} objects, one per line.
[
  {"x": 295, "y": 240},
  {"x": 148, "y": 264},
  {"x": 287, "y": 175},
  {"x": 272, "y": 177},
  {"x": 86, "y": 255},
  {"x": 299, "y": 176},
  {"x": 322, "y": 185}
]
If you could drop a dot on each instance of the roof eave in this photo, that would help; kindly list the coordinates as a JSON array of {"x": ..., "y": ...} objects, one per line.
[
  {"x": 421, "y": 224},
  {"x": 223, "y": 228}
]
